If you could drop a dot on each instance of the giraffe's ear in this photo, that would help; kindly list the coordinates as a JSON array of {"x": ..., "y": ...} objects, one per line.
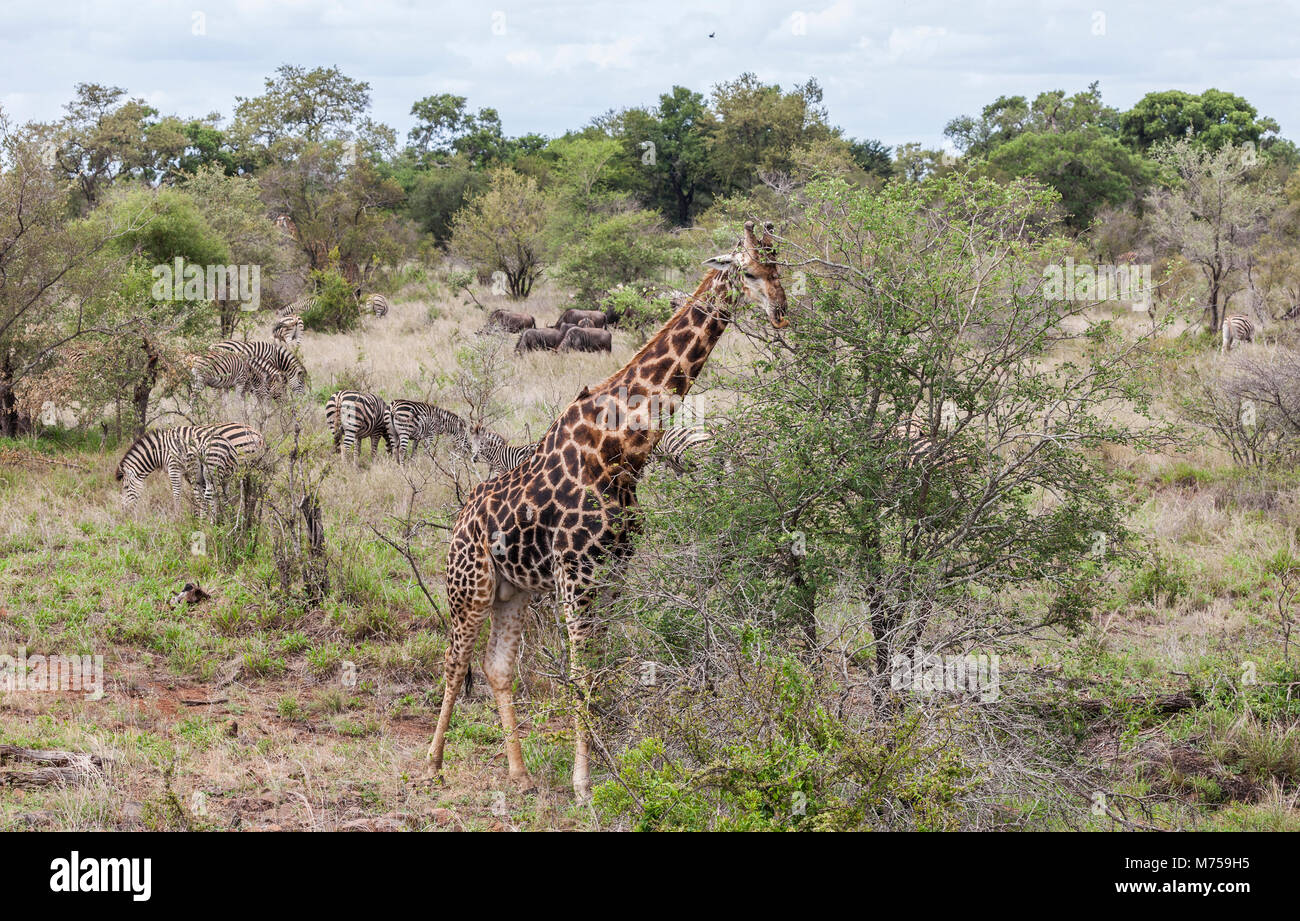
[{"x": 721, "y": 263}]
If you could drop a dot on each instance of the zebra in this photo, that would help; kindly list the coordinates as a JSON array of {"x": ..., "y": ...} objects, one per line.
[
  {"x": 304, "y": 304},
  {"x": 489, "y": 447},
  {"x": 377, "y": 304},
  {"x": 196, "y": 453},
  {"x": 1236, "y": 328},
  {"x": 288, "y": 328},
  {"x": 226, "y": 370},
  {"x": 272, "y": 356},
  {"x": 355, "y": 416},
  {"x": 675, "y": 442},
  {"x": 410, "y": 422}
]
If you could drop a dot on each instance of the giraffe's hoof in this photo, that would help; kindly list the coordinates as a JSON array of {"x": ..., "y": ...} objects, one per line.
[
  {"x": 582, "y": 795},
  {"x": 523, "y": 782}
]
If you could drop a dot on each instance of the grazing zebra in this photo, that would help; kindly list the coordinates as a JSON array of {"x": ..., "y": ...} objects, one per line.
[
  {"x": 676, "y": 441},
  {"x": 196, "y": 453},
  {"x": 1236, "y": 328},
  {"x": 354, "y": 416},
  {"x": 218, "y": 449},
  {"x": 302, "y": 305},
  {"x": 377, "y": 304},
  {"x": 272, "y": 356},
  {"x": 226, "y": 370},
  {"x": 288, "y": 329},
  {"x": 486, "y": 445},
  {"x": 410, "y": 422}
]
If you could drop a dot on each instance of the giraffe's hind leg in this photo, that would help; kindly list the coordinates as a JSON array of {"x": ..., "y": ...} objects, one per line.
[
  {"x": 470, "y": 587},
  {"x": 575, "y": 599},
  {"x": 499, "y": 665}
]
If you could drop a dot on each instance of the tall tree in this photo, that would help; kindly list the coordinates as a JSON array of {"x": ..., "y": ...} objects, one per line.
[
  {"x": 669, "y": 146},
  {"x": 505, "y": 230},
  {"x": 1213, "y": 214},
  {"x": 1213, "y": 119}
]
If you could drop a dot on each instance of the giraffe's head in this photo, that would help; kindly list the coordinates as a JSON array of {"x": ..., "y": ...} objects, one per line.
[{"x": 752, "y": 268}]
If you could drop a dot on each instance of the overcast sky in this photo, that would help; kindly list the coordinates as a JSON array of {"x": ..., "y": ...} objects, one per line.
[{"x": 896, "y": 71}]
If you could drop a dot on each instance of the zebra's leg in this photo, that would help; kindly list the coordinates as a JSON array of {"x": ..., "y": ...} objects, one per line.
[
  {"x": 374, "y": 447},
  {"x": 174, "y": 473}
]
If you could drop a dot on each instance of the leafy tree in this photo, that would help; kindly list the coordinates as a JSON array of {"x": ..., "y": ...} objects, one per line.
[
  {"x": 444, "y": 126},
  {"x": 504, "y": 230},
  {"x": 148, "y": 315},
  {"x": 1086, "y": 166},
  {"x": 1212, "y": 214},
  {"x": 1212, "y": 119},
  {"x": 759, "y": 128},
  {"x": 312, "y": 105},
  {"x": 1010, "y": 117},
  {"x": 874, "y": 157},
  {"x": 618, "y": 249},
  {"x": 49, "y": 270},
  {"x": 669, "y": 146},
  {"x": 892, "y": 452},
  {"x": 341, "y": 207},
  {"x": 232, "y": 207},
  {"x": 105, "y": 136}
]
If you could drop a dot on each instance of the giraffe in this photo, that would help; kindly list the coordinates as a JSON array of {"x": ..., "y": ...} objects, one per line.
[{"x": 550, "y": 523}]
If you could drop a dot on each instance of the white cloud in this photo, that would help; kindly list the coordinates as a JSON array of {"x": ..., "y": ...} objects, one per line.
[{"x": 896, "y": 70}]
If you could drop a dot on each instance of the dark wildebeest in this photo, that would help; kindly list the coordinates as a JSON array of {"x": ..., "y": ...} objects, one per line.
[
  {"x": 543, "y": 339},
  {"x": 510, "y": 321},
  {"x": 587, "y": 340},
  {"x": 575, "y": 316}
]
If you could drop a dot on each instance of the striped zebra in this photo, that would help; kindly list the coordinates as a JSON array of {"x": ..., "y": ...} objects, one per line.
[
  {"x": 676, "y": 441},
  {"x": 410, "y": 422},
  {"x": 1236, "y": 328},
  {"x": 303, "y": 304},
  {"x": 377, "y": 304},
  {"x": 196, "y": 453},
  {"x": 500, "y": 456},
  {"x": 227, "y": 370},
  {"x": 271, "y": 356},
  {"x": 288, "y": 329},
  {"x": 354, "y": 416}
]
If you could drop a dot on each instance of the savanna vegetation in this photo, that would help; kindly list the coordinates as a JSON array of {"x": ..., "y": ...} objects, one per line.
[{"x": 970, "y": 448}]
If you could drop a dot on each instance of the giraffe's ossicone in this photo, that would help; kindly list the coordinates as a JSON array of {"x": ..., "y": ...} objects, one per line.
[{"x": 553, "y": 522}]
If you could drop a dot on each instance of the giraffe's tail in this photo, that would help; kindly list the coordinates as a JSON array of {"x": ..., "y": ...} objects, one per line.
[{"x": 469, "y": 680}]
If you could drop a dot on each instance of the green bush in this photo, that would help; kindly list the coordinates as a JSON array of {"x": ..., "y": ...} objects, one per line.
[{"x": 335, "y": 309}]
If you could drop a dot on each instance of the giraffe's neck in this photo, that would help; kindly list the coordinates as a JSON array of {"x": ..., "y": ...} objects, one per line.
[
  {"x": 671, "y": 361},
  {"x": 637, "y": 400}
]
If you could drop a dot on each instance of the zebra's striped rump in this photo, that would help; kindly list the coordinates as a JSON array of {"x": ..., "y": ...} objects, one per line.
[
  {"x": 377, "y": 304},
  {"x": 353, "y": 416},
  {"x": 410, "y": 422},
  {"x": 1236, "y": 328},
  {"x": 288, "y": 329},
  {"x": 197, "y": 453},
  {"x": 271, "y": 356}
]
